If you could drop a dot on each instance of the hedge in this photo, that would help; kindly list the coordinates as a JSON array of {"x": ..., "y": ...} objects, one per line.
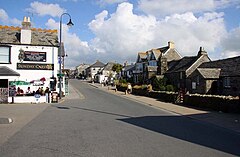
[{"x": 213, "y": 102}]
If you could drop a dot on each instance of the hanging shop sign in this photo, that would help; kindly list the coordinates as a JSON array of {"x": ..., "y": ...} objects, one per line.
[
  {"x": 35, "y": 66},
  {"x": 34, "y": 56},
  {"x": 31, "y": 56}
]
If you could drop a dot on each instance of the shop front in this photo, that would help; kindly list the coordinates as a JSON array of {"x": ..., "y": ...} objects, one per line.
[{"x": 6, "y": 74}]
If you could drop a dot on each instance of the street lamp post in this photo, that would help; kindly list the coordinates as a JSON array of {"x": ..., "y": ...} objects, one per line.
[{"x": 60, "y": 52}]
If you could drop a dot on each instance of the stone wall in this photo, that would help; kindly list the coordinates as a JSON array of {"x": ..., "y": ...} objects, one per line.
[{"x": 217, "y": 103}]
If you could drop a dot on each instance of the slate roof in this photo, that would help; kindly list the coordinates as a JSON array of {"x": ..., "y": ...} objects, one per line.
[
  {"x": 6, "y": 71},
  {"x": 182, "y": 64},
  {"x": 129, "y": 67},
  {"x": 156, "y": 53},
  {"x": 209, "y": 73},
  {"x": 142, "y": 55},
  {"x": 41, "y": 37},
  {"x": 97, "y": 64},
  {"x": 229, "y": 66},
  {"x": 163, "y": 49},
  {"x": 109, "y": 66}
]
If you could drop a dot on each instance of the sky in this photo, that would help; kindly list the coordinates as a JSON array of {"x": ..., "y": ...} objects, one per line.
[{"x": 116, "y": 30}]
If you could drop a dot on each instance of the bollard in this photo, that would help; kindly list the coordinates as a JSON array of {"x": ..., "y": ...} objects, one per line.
[{"x": 50, "y": 98}]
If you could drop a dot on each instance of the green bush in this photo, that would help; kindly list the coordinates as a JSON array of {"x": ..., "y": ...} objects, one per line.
[
  {"x": 122, "y": 81},
  {"x": 169, "y": 88},
  {"x": 162, "y": 88}
]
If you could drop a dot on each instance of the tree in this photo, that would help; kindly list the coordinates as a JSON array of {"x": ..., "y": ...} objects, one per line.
[
  {"x": 117, "y": 67},
  {"x": 158, "y": 83}
]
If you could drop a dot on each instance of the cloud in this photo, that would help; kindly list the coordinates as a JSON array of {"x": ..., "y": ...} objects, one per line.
[
  {"x": 161, "y": 8},
  {"x": 76, "y": 49},
  {"x": 122, "y": 34},
  {"x": 3, "y": 15},
  {"x": 105, "y": 2},
  {"x": 43, "y": 9},
  {"x": 190, "y": 32},
  {"x": 7, "y": 20},
  {"x": 230, "y": 44}
]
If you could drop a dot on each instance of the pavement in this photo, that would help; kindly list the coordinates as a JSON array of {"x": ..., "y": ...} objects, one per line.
[
  {"x": 13, "y": 117},
  {"x": 229, "y": 121}
]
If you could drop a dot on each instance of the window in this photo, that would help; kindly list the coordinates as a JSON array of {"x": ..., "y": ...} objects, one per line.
[
  {"x": 152, "y": 63},
  {"x": 198, "y": 80},
  {"x": 181, "y": 75},
  {"x": 194, "y": 85},
  {"x": 4, "y": 54},
  {"x": 226, "y": 82}
]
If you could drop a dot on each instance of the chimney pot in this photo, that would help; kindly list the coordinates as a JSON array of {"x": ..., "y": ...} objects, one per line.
[
  {"x": 171, "y": 44},
  {"x": 24, "y": 19},
  {"x": 202, "y": 51},
  {"x": 201, "y": 48}
]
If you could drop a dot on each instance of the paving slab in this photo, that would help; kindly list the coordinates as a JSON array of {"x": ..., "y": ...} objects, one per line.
[{"x": 20, "y": 114}]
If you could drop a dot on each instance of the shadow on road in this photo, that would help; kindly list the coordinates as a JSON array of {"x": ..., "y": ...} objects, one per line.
[
  {"x": 192, "y": 131},
  {"x": 91, "y": 110}
]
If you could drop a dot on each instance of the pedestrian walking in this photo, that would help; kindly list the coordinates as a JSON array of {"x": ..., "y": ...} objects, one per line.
[{"x": 129, "y": 88}]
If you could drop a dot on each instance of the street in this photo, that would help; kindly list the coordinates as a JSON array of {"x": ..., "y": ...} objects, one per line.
[{"x": 94, "y": 123}]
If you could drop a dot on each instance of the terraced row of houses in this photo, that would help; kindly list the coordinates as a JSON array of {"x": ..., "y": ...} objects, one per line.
[{"x": 193, "y": 74}]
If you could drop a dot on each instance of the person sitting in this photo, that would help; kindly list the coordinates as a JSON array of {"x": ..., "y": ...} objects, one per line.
[
  {"x": 28, "y": 91},
  {"x": 19, "y": 91}
]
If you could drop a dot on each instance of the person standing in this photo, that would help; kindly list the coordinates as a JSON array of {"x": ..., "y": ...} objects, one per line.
[
  {"x": 37, "y": 95},
  {"x": 47, "y": 91}
]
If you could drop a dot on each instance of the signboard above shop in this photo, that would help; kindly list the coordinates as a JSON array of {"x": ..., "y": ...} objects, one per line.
[{"x": 35, "y": 66}]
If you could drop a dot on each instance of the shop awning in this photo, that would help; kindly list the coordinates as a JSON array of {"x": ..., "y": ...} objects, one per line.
[
  {"x": 17, "y": 83},
  {"x": 5, "y": 71}
]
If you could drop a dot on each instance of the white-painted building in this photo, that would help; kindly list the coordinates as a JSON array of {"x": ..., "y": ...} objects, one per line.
[
  {"x": 94, "y": 69},
  {"x": 32, "y": 53}
]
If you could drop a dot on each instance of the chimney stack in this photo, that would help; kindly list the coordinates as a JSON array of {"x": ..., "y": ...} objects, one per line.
[
  {"x": 125, "y": 63},
  {"x": 171, "y": 45},
  {"x": 26, "y": 33},
  {"x": 202, "y": 51}
]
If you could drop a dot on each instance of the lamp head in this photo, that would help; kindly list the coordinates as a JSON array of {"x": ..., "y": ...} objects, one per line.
[{"x": 70, "y": 24}]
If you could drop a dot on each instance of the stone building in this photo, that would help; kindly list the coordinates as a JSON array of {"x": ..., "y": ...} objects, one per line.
[
  {"x": 221, "y": 77},
  {"x": 154, "y": 62},
  {"x": 179, "y": 70}
]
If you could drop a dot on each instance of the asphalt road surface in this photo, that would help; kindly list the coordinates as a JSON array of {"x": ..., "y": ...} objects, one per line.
[{"x": 100, "y": 124}]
